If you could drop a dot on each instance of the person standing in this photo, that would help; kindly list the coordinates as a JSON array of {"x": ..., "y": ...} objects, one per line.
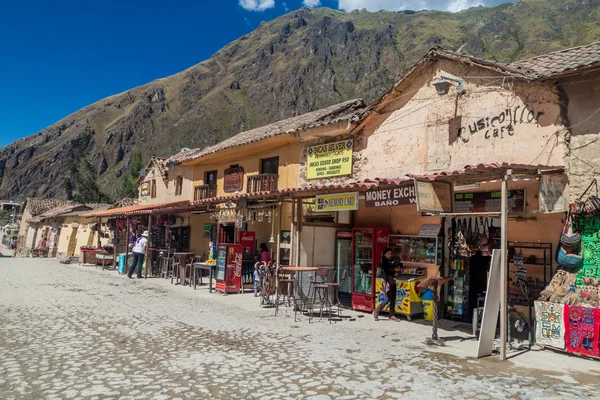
[
  {"x": 139, "y": 252},
  {"x": 257, "y": 280},
  {"x": 389, "y": 270},
  {"x": 265, "y": 254}
]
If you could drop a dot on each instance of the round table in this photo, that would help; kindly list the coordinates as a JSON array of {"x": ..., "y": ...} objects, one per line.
[{"x": 298, "y": 287}]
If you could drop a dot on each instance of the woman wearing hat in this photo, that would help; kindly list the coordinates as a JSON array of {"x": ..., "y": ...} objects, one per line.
[{"x": 139, "y": 251}]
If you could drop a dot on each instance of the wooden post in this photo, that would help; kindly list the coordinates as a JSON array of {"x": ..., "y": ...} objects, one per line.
[
  {"x": 148, "y": 261},
  {"x": 127, "y": 235},
  {"x": 278, "y": 240},
  {"x": 504, "y": 270},
  {"x": 293, "y": 234},
  {"x": 115, "y": 244},
  {"x": 299, "y": 229}
]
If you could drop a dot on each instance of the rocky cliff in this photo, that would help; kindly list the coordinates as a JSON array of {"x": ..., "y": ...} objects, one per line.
[{"x": 302, "y": 61}]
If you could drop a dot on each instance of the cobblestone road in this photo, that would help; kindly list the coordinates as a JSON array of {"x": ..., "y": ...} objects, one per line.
[{"x": 70, "y": 332}]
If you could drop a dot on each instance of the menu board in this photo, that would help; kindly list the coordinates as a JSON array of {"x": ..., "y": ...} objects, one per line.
[
  {"x": 489, "y": 202},
  {"x": 221, "y": 262}
]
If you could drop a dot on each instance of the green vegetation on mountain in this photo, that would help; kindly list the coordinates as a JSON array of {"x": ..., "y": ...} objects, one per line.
[{"x": 302, "y": 61}]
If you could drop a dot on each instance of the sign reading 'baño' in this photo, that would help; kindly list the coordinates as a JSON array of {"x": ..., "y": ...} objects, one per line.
[{"x": 330, "y": 159}]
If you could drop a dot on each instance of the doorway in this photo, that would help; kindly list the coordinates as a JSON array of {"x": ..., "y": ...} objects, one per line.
[{"x": 227, "y": 233}]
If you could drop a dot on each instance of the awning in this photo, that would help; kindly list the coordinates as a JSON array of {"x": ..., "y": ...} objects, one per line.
[
  {"x": 129, "y": 210},
  {"x": 468, "y": 174},
  {"x": 164, "y": 208}
]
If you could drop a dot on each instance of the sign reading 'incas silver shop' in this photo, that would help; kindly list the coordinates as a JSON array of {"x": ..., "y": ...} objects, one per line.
[{"x": 390, "y": 197}]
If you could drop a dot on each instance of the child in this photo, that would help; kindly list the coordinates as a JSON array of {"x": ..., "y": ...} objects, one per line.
[{"x": 257, "y": 280}]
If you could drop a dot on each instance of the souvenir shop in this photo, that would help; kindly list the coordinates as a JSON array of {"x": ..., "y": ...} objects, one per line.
[
  {"x": 168, "y": 233},
  {"x": 239, "y": 227},
  {"x": 531, "y": 241},
  {"x": 567, "y": 312}
]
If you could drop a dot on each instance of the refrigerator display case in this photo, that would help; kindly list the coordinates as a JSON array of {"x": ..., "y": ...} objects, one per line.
[
  {"x": 422, "y": 250},
  {"x": 343, "y": 261},
  {"x": 368, "y": 245},
  {"x": 228, "y": 274}
]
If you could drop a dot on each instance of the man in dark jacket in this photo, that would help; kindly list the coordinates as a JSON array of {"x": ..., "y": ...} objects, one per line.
[{"x": 390, "y": 267}]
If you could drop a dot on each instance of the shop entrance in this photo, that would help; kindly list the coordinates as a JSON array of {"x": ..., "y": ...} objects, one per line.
[
  {"x": 470, "y": 247},
  {"x": 227, "y": 233}
]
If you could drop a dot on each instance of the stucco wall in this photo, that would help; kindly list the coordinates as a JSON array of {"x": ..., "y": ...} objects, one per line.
[
  {"x": 165, "y": 190},
  {"x": 250, "y": 161},
  {"x": 495, "y": 119},
  {"x": 582, "y": 96}
]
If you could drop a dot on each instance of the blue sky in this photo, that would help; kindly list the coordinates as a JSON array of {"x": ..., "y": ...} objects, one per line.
[{"x": 59, "y": 56}]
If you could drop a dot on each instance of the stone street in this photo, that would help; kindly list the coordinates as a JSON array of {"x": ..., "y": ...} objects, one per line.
[{"x": 70, "y": 332}]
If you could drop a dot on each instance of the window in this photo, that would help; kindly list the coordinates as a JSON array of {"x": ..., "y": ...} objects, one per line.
[
  {"x": 153, "y": 189},
  {"x": 210, "y": 178},
  {"x": 179, "y": 186},
  {"x": 269, "y": 166}
]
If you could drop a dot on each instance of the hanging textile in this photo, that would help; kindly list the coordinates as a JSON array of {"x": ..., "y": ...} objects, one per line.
[
  {"x": 550, "y": 324},
  {"x": 582, "y": 329},
  {"x": 589, "y": 273}
]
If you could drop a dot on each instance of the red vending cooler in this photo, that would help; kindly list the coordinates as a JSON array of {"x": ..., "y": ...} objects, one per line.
[
  {"x": 229, "y": 268},
  {"x": 367, "y": 247}
]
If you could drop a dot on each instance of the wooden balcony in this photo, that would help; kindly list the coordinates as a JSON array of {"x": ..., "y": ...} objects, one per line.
[
  {"x": 202, "y": 192},
  {"x": 262, "y": 183}
]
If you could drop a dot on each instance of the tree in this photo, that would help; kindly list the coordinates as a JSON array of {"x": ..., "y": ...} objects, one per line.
[
  {"x": 129, "y": 187},
  {"x": 80, "y": 184}
]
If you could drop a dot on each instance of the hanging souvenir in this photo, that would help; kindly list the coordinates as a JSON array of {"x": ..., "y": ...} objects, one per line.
[
  {"x": 550, "y": 324},
  {"x": 582, "y": 326}
]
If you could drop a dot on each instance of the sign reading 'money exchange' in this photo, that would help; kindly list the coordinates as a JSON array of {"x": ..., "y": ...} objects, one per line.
[{"x": 330, "y": 159}]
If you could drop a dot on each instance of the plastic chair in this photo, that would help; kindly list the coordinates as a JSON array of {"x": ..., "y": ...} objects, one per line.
[{"x": 175, "y": 267}]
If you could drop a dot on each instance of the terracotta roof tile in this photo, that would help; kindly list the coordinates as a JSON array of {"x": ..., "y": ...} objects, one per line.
[
  {"x": 560, "y": 62},
  {"x": 38, "y": 206},
  {"x": 349, "y": 110}
]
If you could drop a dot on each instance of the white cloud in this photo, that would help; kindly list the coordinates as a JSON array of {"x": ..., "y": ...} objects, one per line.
[
  {"x": 285, "y": 6},
  {"x": 399, "y": 5},
  {"x": 311, "y": 3},
  {"x": 257, "y": 5}
]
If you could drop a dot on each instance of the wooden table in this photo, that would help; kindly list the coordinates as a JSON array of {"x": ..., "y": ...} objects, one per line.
[
  {"x": 298, "y": 287},
  {"x": 103, "y": 258},
  {"x": 211, "y": 268},
  {"x": 182, "y": 262}
]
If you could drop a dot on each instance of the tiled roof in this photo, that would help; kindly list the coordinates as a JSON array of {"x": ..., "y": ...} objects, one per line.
[
  {"x": 477, "y": 172},
  {"x": 350, "y": 110},
  {"x": 559, "y": 62},
  {"x": 114, "y": 212},
  {"x": 69, "y": 210},
  {"x": 38, "y": 206},
  {"x": 126, "y": 202},
  {"x": 161, "y": 167}
]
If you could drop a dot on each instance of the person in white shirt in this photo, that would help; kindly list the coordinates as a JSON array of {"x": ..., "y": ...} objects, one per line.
[{"x": 139, "y": 251}]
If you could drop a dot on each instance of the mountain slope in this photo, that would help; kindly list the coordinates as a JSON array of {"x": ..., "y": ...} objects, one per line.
[{"x": 302, "y": 61}]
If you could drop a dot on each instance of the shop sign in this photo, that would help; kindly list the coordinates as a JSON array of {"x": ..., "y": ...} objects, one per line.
[
  {"x": 553, "y": 196},
  {"x": 145, "y": 189},
  {"x": 390, "y": 197},
  {"x": 208, "y": 228},
  {"x": 430, "y": 229},
  {"x": 330, "y": 159},
  {"x": 336, "y": 202},
  {"x": 434, "y": 196},
  {"x": 489, "y": 202},
  {"x": 233, "y": 179},
  {"x": 344, "y": 234}
]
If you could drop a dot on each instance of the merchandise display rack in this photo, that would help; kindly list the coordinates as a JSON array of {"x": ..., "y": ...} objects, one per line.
[{"x": 517, "y": 298}]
